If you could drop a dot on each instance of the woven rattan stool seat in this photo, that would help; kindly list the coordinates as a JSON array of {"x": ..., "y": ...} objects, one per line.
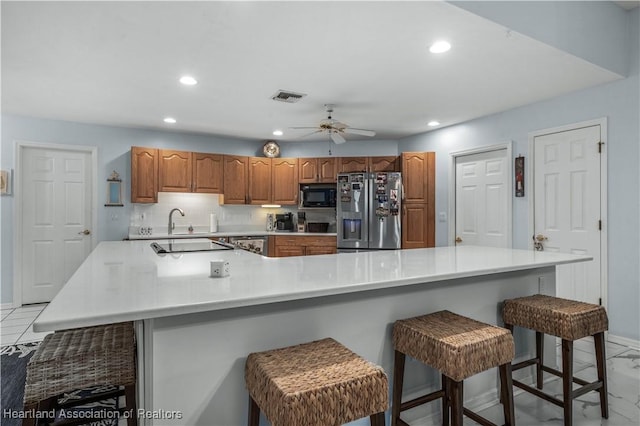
[
  {"x": 457, "y": 346},
  {"x": 82, "y": 358},
  {"x": 317, "y": 383},
  {"x": 568, "y": 319}
]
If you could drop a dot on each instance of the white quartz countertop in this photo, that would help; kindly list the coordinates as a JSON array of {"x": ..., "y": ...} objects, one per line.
[
  {"x": 158, "y": 236},
  {"x": 126, "y": 280}
]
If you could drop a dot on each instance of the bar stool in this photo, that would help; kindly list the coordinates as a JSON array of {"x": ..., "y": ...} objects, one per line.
[
  {"x": 458, "y": 347},
  {"x": 318, "y": 383},
  {"x": 78, "y": 359},
  {"x": 570, "y": 320}
]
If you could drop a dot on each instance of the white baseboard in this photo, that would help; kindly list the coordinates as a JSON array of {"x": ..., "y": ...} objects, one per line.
[
  {"x": 6, "y": 305},
  {"x": 630, "y": 343}
]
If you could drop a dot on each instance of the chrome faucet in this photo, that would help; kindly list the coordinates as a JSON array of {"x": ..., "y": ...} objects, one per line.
[{"x": 171, "y": 224}]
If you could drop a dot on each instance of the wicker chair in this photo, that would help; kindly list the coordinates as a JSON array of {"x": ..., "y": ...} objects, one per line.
[
  {"x": 570, "y": 320},
  {"x": 458, "y": 347},
  {"x": 78, "y": 359},
  {"x": 320, "y": 383}
]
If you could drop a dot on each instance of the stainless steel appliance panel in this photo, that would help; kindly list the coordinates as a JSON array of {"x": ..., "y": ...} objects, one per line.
[
  {"x": 384, "y": 211},
  {"x": 352, "y": 210},
  {"x": 368, "y": 210}
]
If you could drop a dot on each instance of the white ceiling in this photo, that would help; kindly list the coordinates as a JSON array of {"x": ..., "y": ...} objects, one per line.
[{"x": 118, "y": 63}]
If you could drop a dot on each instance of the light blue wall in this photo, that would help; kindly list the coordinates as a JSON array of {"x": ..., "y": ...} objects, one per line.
[
  {"x": 619, "y": 102},
  {"x": 114, "y": 144}
]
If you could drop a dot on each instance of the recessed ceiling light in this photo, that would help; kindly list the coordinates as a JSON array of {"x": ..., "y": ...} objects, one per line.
[
  {"x": 187, "y": 80},
  {"x": 170, "y": 120},
  {"x": 440, "y": 46},
  {"x": 277, "y": 133},
  {"x": 433, "y": 123}
]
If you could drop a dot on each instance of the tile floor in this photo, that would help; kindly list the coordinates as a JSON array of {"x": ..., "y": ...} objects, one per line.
[
  {"x": 15, "y": 325},
  {"x": 623, "y": 371}
]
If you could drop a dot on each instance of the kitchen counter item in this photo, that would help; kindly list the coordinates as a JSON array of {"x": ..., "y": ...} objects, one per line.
[
  {"x": 317, "y": 226},
  {"x": 284, "y": 222},
  {"x": 213, "y": 222},
  {"x": 254, "y": 244}
]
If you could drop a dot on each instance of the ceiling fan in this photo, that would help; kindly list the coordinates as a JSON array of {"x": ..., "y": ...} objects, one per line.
[{"x": 335, "y": 128}]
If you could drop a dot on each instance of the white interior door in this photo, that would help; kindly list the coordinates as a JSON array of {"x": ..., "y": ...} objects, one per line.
[
  {"x": 567, "y": 210},
  {"x": 482, "y": 199},
  {"x": 56, "y": 219}
]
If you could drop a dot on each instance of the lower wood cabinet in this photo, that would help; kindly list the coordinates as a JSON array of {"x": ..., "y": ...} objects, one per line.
[{"x": 285, "y": 246}]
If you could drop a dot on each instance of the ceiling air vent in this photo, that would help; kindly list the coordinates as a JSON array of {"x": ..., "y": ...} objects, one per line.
[{"x": 287, "y": 96}]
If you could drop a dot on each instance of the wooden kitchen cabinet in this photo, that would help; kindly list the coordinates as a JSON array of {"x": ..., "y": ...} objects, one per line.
[
  {"x": 207, "y": 173},
  {"x": 181, "y": 171},
  {"x": 284, "y": 181},
  {"x": 144, "y": 175},
  {"x": 235, "y": 179},
  {"x": 383, "y": 164},
  {"x": 259, "y": 191},
  {"x": 418, "y": 210},
  {"x": 353, "y": 164},
  {"x": 285, "y": 246},
  {"x": 175, "y": 171},
  {"x": 317, "y": 170}
]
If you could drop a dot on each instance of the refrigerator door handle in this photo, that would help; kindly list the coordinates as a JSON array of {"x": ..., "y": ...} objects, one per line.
[{"x": 402, "y": 190}]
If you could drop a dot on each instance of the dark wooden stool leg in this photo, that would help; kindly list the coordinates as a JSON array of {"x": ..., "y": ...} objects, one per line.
[
  {"x": 254, "y": 413},
  {"x": 567, "y": 381},
  {"x": 506, "y": 394},
  {"x": 29, "y": 421},
  {"x": 377, "y": 419},
  {"x": 131, "y": 406},
  {"x": 601, "y": 361},
  {"x": 445, "y": 400},
  {"x": 398, "y": 380},
  {"x": 540, "y": 357},
  {"x": 457, "y": 399}
]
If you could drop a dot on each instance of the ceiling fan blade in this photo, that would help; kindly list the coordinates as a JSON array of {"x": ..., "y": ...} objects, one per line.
[
  {"x": 362, "y": 132},
  {"x": 309, "y": 134},
  {"x": 337, "y": 138},
  {"x": 312, "y": 127}
]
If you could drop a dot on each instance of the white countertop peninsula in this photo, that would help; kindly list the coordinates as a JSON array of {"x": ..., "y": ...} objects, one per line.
[{"x": 194, "y": 332}]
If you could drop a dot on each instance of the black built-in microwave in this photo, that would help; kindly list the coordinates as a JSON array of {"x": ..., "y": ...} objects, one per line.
[{"x": 318, "y": 196}]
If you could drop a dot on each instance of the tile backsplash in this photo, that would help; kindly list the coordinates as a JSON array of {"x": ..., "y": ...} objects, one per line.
[{"x": 198, "y": 207}]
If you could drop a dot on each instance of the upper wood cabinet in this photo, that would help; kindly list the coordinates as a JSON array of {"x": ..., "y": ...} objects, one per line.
[
  {"x": 317, "y": 170},
  {"x": 383, "y": 164},
  {"x": 259, "y": 180},
  {"x": 182, "y": 171},
  {"x": 175, "y": 171},
  {"x": 144, "y": 175},
  {"x": 369, "y": 164},
  {"x": 284, "y": 181},
  {"x": 207, "y": 173},
  {"x": 353, "y": 164},
  {"x": 236, "y": 179},
  {"x": 418, "y": 210}
]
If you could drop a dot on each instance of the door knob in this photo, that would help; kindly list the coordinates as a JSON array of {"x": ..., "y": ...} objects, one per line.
[
  {"x": 540, "y": 238},
  {"x": 85, "y": 232},
  {"x": 458, "y": 240}
]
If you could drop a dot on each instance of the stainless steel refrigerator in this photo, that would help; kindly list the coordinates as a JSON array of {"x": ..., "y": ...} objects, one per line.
[{"x": 368, "y": 211}]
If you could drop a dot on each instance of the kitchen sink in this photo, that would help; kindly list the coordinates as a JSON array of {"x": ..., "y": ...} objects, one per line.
[{"x": 188, "y": 247}]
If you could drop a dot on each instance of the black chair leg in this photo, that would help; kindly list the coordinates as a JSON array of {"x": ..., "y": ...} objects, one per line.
[
  {"x": 567, "y": 381},
  {"x": 445, "y": 400},
  {"x": 457, "y": 399},
  {"x": 540, "y": 358},
  {"x": 601, "y": 362},
  {"x": 506, "y": 392},
  {"x": 254, "y": 413},
  {"x": 377, "y": 419},
  {"x": 398, "y": 380}
]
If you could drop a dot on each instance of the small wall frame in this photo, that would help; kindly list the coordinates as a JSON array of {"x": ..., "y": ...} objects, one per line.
[
  {"x": 519, "y": 174},
  {"x": 114, "y": 190}
]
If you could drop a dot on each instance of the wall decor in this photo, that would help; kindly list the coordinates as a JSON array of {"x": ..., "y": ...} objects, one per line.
[
  {"x": 519, "y": 169},
  {"x": 114, "y": 190},
  {"x": 5, "y": 182}
]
